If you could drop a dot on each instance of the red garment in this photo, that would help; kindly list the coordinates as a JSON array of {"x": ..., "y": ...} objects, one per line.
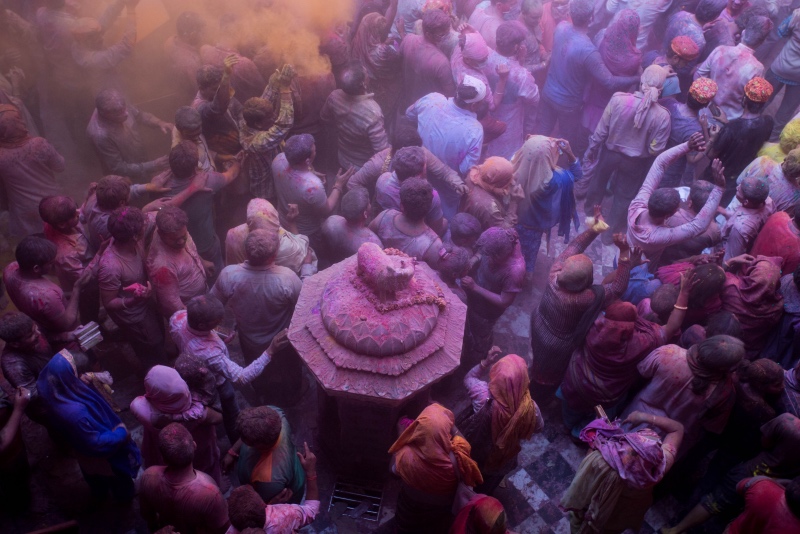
[
  {"x": 766, "y": 511},
  {"x": 779, "y": 237},
  {"x": 604, "y": 368},
  {"x": 754, "y": 298},
  {"x": 548, "y": 25}
]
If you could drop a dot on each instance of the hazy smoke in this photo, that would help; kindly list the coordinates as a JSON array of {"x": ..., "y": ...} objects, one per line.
[{"x": 285, "y": 31}]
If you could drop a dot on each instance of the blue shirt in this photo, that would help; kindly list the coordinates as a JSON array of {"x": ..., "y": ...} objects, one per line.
[
  {"x": 575, "y": 61},
  {"x": 451, "y": 133}
]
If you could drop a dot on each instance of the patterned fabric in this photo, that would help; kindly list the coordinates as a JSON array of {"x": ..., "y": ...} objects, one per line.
[
  {"x": 638, "y": 456},
  {"x": 685, "y": 47},
  {"x": 261, "y": 147},
  {"x": 703, "y": 90},
  {"x": 758, "y": 89},
  {"x": 618, "y": 47}
]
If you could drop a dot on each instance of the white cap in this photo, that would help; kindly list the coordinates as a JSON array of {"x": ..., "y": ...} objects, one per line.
[{"x": 472, "y": 81}]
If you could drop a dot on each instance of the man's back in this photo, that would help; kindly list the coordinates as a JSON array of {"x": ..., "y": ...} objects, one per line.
[
  {"x": 195, "y": 506},
  {"x": 262, "y": 298},
  {"x": 303, "y": 188},
  {"x": 567, "y": 78},
  {"x": 425, "y": 70},
  {"x": 452, "y": 134},
  {"x": 621, "y": 133},
  {"x": 343, "y": 239},
  {"x": 359, "y": 123}
]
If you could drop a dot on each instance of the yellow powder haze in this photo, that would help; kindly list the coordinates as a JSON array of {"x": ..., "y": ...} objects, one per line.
[{"x": 290, "y": 30}]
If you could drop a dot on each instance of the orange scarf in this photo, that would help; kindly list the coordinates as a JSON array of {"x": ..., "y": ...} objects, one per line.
[
  {"x": 422, "y": 453},
  {"x": 513, "y": 411}
]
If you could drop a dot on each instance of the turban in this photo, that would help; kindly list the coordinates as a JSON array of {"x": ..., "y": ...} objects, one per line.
[
  {"x": 475, "y": 48},
  {"x": 472, "y": 81},
  {"x": 758, "y": 89},
  {"x": 653, "y": 79},
  {"x": 685, "y": 48},
  {"x": 703, "y": 90}
]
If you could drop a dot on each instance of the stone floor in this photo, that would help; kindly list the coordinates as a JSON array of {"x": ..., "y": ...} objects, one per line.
[{"x": 530, "y": 494}]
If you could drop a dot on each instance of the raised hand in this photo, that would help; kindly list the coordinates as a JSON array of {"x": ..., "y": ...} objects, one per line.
[{"x": 718, "y": 173}]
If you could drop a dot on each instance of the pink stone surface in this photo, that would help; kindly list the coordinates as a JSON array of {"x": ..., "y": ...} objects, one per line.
[{"x": 387, "y": 379}]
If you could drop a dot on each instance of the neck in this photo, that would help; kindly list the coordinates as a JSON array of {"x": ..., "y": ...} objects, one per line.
[
  {"x": 29, "y": 275},
  {"x": 180, "y": 474},
  {"x": 129, "y": 247}
]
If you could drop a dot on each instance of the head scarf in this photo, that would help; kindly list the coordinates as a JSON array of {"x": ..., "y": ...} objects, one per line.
[
  {"x": 790, "y": 136},
  {"x": 618, "y": 47},
  {"x": 495, "y": 176},
  {"x": 534, "y": 164},
  {"x": 379, "y": 61},
  {"x": 472, "y": 81},
  {"x": 475, "y": 47},
  {"x": 758, "y": 89},
  {"x": 13, "y": 132},
  {"x": 692, "y": 336},
  {"x": 69, "y": 402},
  {"x": 422, "y": 453},
  {"x": 621, "y": 311},
  {"x": 577, "y": 273},
  {"x": 636, "y": 456},
  {"x": 703, "y": 90},
  {"x": 513, "y": 411},
  {"x": 265, "y": 212},
  {"x": 479, "y": 516},
  {"x": 685, "y": 48},
  {"x": 652, "y": 80},
  {"x": 166, "y": 391}
]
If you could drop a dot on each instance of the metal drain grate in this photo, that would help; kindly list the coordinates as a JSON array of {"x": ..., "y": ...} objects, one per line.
[{"x": 362, "y": 500}]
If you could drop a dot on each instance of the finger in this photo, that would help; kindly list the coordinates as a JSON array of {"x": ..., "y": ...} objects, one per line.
[{"x": 305, "y": 445}]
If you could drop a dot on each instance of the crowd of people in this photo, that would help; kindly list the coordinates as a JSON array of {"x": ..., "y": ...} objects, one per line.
[{"x": 433, "y": 133}]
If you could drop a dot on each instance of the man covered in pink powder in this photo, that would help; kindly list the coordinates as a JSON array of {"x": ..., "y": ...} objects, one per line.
[
  {"x": 39, "y": 298},
  {"x": 425, "y": 68},
  {"x": 176, "y": 270}
]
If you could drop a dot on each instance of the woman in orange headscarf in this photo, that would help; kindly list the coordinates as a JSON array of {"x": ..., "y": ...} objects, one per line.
[
  {"x": 493, "y": 194},
  {"x": 424, "y": 458},
  {"x": 502, "y": 416}
]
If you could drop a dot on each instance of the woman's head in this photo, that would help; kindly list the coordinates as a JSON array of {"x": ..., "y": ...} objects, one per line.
[
  {"x": 495, "y": 176},
  {"x": 663, "y": 301},
  {"x": 259, "y": 427},
  {"x": 498, "y": 244},
  {"x": 621, "y": 311},
  {"x": 126, "y": 224},
  {"x": 714, "y": 359},
  {"x": 577, "y": 274},
  {"x": 709, "y": 279},
  {"x": 764, "y": 376}
]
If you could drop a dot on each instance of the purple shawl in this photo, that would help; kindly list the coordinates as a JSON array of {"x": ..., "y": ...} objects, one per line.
[
  {"x": 618, "y": 47},
  {"x": 636, "y": 456}
]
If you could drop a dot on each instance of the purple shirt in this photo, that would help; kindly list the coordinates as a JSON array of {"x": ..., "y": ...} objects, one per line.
[
  {"x": 425, "y": 70},
  {"x": 651, "y": 238}
]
